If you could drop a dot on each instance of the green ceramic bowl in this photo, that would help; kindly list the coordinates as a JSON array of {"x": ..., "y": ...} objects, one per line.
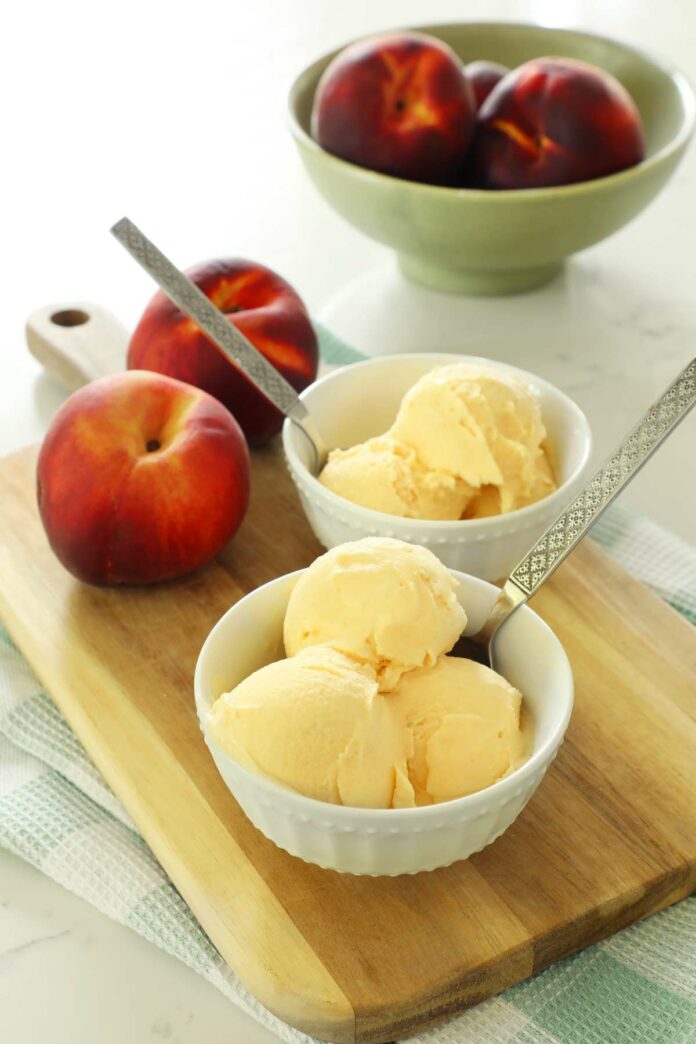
[{"x": 477, "y": 242}]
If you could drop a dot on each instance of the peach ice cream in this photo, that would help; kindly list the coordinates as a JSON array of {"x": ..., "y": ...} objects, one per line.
[
  {"x": 383, "y": 602},
  {"x": 368, "y": 709},
  {"x": 316, "y": 722},
  {"x": 468, "y": 441},
  {"x": 463, "y": 725},
  {"x": 386, "y": 475}
]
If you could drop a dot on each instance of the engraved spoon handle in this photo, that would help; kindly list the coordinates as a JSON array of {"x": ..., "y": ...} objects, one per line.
[
  {"x": 572, "y": 525},
  {"x": 625, "y": 462}
]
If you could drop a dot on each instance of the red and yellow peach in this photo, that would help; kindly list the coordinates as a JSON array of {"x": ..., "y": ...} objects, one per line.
[
  {"x": 264, "y": 307},
  {"x": 399, "y": 104},
  {"x": 141, "y": 478},
  {"x": 555, "y": 121}
]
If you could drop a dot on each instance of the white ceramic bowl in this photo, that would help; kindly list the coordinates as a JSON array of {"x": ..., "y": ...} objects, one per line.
[
  {"x": 391, "y": 841},
  {"x": 358, "y": 401}
]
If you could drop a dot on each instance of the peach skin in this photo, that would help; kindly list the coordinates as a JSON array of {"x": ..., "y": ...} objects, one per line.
[
  {"x": 554, "y": 121},
  {"x": 399, "y": 104},
  {"x": 141, "y": 478},
  {"x": 483, "y": 77}
]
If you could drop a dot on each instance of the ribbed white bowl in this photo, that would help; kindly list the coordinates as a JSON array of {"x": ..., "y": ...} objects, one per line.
[
  {"x": 358, "y": 401},
  {"x": 393, "y": 841}
]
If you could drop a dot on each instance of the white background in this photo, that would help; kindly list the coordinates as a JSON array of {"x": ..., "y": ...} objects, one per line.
[{"x": 175, "y": 115}]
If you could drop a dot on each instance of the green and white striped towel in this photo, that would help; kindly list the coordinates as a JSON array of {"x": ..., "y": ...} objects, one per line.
[{"x": 58, "y": 813}]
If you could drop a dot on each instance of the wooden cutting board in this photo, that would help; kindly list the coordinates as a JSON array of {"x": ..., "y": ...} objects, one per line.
[{"x": 609, "y": 837}]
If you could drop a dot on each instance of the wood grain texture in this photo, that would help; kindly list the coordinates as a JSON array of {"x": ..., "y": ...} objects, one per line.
[{"x": 609, "y": 837}]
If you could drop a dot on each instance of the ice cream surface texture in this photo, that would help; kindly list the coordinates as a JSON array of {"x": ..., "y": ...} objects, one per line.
[
  {"x": 317, "y": 723},
  {"x": 385, "y": 603},
  {"x": 386, "y": 475},
  {"x": 464, "y": 728},
  {"x": 368, "y": 709},
  {"x": 468, "y": 441}
]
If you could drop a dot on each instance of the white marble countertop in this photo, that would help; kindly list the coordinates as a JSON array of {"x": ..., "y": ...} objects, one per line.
[{"x": 175, "y": 116}]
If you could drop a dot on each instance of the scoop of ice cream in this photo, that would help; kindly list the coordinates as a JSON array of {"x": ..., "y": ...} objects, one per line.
[
  {"x": 386, "y": 603},
  {"x": 480, "y": 425},
  {"x": 387, "y": 476},
  {"x": 317, "y": 723},
  {"x": 464, "y": 720}
]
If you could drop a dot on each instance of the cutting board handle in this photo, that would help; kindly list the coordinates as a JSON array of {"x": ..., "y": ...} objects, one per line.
[{"x": 76, "y": 342}]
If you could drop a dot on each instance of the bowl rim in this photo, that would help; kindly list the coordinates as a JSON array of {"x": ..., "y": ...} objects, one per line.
[
  {"x": 500, "y": 198},
  {"x": 316, "y": 809},
  {"x": 454, "y": 527}
]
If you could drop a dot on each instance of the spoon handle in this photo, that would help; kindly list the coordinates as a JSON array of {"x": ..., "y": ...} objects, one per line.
[{"x": 570, "y": 527}]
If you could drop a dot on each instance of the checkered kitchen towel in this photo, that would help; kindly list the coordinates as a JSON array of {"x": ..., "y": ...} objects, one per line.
[{"x": 58, "y": 813}]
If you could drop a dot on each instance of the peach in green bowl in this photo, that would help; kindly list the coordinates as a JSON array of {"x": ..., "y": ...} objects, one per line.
[{"x": 479, "y": 241}]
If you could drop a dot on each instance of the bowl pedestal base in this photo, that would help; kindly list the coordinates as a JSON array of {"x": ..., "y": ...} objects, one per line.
[{"x": 476, "y": 282}]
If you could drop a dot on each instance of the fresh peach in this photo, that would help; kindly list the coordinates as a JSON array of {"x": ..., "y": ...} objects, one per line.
[
  {"x": 264, "y": 307},
  {"x": 141, "y": 478},
  {"x": 483, "y": 77},
  {"x": 399, "y": 104},
  {"x": 554, "y": 121}
]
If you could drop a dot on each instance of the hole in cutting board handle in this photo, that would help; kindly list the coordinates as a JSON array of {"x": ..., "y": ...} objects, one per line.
[{"x": 70, "y": 317}]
